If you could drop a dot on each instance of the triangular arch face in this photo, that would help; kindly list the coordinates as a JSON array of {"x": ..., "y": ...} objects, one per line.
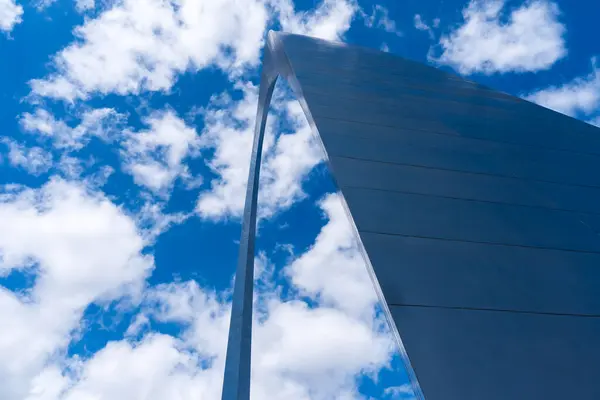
[{"x": 479, "y": 214}]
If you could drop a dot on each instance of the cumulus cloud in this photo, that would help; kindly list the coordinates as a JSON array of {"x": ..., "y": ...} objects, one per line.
[
  {"x": 288, "y": 157},
  {"x": 329, "y": 20},
  {"x": 34, "y": 160},
  {"x": 530, "y": 38},
  {"x": 579, "y": 97},
  {"x": 10, "y": 15},
  {"x": 81, "y": 249},
  {"x": 300, "y": 352},
  {"x": 155, "y": 157},
  {"x": 140, "y": 45}
]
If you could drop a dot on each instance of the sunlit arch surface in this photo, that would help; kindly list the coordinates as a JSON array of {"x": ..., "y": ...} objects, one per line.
[{"x": 478, "y": 215}]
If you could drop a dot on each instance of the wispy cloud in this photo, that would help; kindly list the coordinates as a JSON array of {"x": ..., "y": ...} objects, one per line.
[
  {"x": 155, "y": 157},
  {"x": 380, "y": 18},
  {"x": 422, "y": 26},
  {"x": 35, "y": 160}
]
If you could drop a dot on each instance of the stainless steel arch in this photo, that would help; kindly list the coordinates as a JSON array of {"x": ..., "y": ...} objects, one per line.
[{"x": 478, "y": 213}]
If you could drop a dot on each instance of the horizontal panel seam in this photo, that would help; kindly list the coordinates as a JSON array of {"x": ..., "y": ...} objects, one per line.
[
  {"x": 558, "y": 314},
  {"x": 535, "y": 146},
  {"x": 463, "y": 171},
  {"x": 472, "y": 200},
  {"x": 478, "y": 242}
]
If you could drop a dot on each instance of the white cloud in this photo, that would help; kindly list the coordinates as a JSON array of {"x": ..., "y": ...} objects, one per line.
[
  {"x": 287, "y": 159},
  {"x": 34, "y": 160},
  {"x": 140, "y": 45},
  {"x": 84, "y": 5},
  {"x": 155, "y": 157},
  {"x": 299, "y": 352},
  {"x": 336, "y": 248},
  {"x": 157, "y": 367},
  {"x": 419, "y": 24},
  {"x": 10, "y": 15},
  {"x": 330, "y": 20},
  {"x": 316, "y": 354},
  {"x": 400, "y": 392},
  {"x": 380, "y": 18},
  {"x": 82, "y": 249},
  {"x": 422, "y": 26},
  {"x": 103, "y": 123},
  {"x": 581, "y": 96},
  {"x": 531, "y": 39}
]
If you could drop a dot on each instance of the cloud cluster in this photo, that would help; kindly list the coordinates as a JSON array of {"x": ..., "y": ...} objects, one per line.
[
  {"x": 80, "y": 248},
  {"x": 530, "y": 38},
  {"x": 75, "y": 247},
  {"x": 142, "y": 45},
  {"x": 299, "y": 351}
]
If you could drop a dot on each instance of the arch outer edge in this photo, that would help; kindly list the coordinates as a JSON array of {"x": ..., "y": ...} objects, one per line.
[{"x": 236, "y": 379}]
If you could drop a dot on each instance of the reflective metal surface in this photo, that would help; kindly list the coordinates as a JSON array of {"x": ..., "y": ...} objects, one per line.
[
  {"x": 479, "y": 217},
  {"x": 236, "y": 382}
]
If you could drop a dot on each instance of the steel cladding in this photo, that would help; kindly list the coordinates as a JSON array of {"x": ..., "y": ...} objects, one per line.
[{"x": 479, "y": 214}]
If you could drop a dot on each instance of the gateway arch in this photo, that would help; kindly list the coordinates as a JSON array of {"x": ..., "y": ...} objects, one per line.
[{"x": 478, "y": 214}]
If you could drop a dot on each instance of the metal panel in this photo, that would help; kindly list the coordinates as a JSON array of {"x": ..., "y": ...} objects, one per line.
[
  {"x": 478, "y": 214},
  {"x": 493, "y": 355},
  {"x": 462, "y": 220},
  {"x": 460, "y": 154},
  {"x": 463, "y": 185},
  {"x": 476, "y": 275}
]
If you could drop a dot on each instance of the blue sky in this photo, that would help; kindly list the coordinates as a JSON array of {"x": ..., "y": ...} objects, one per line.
[{"x": 126, "y": 129}]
